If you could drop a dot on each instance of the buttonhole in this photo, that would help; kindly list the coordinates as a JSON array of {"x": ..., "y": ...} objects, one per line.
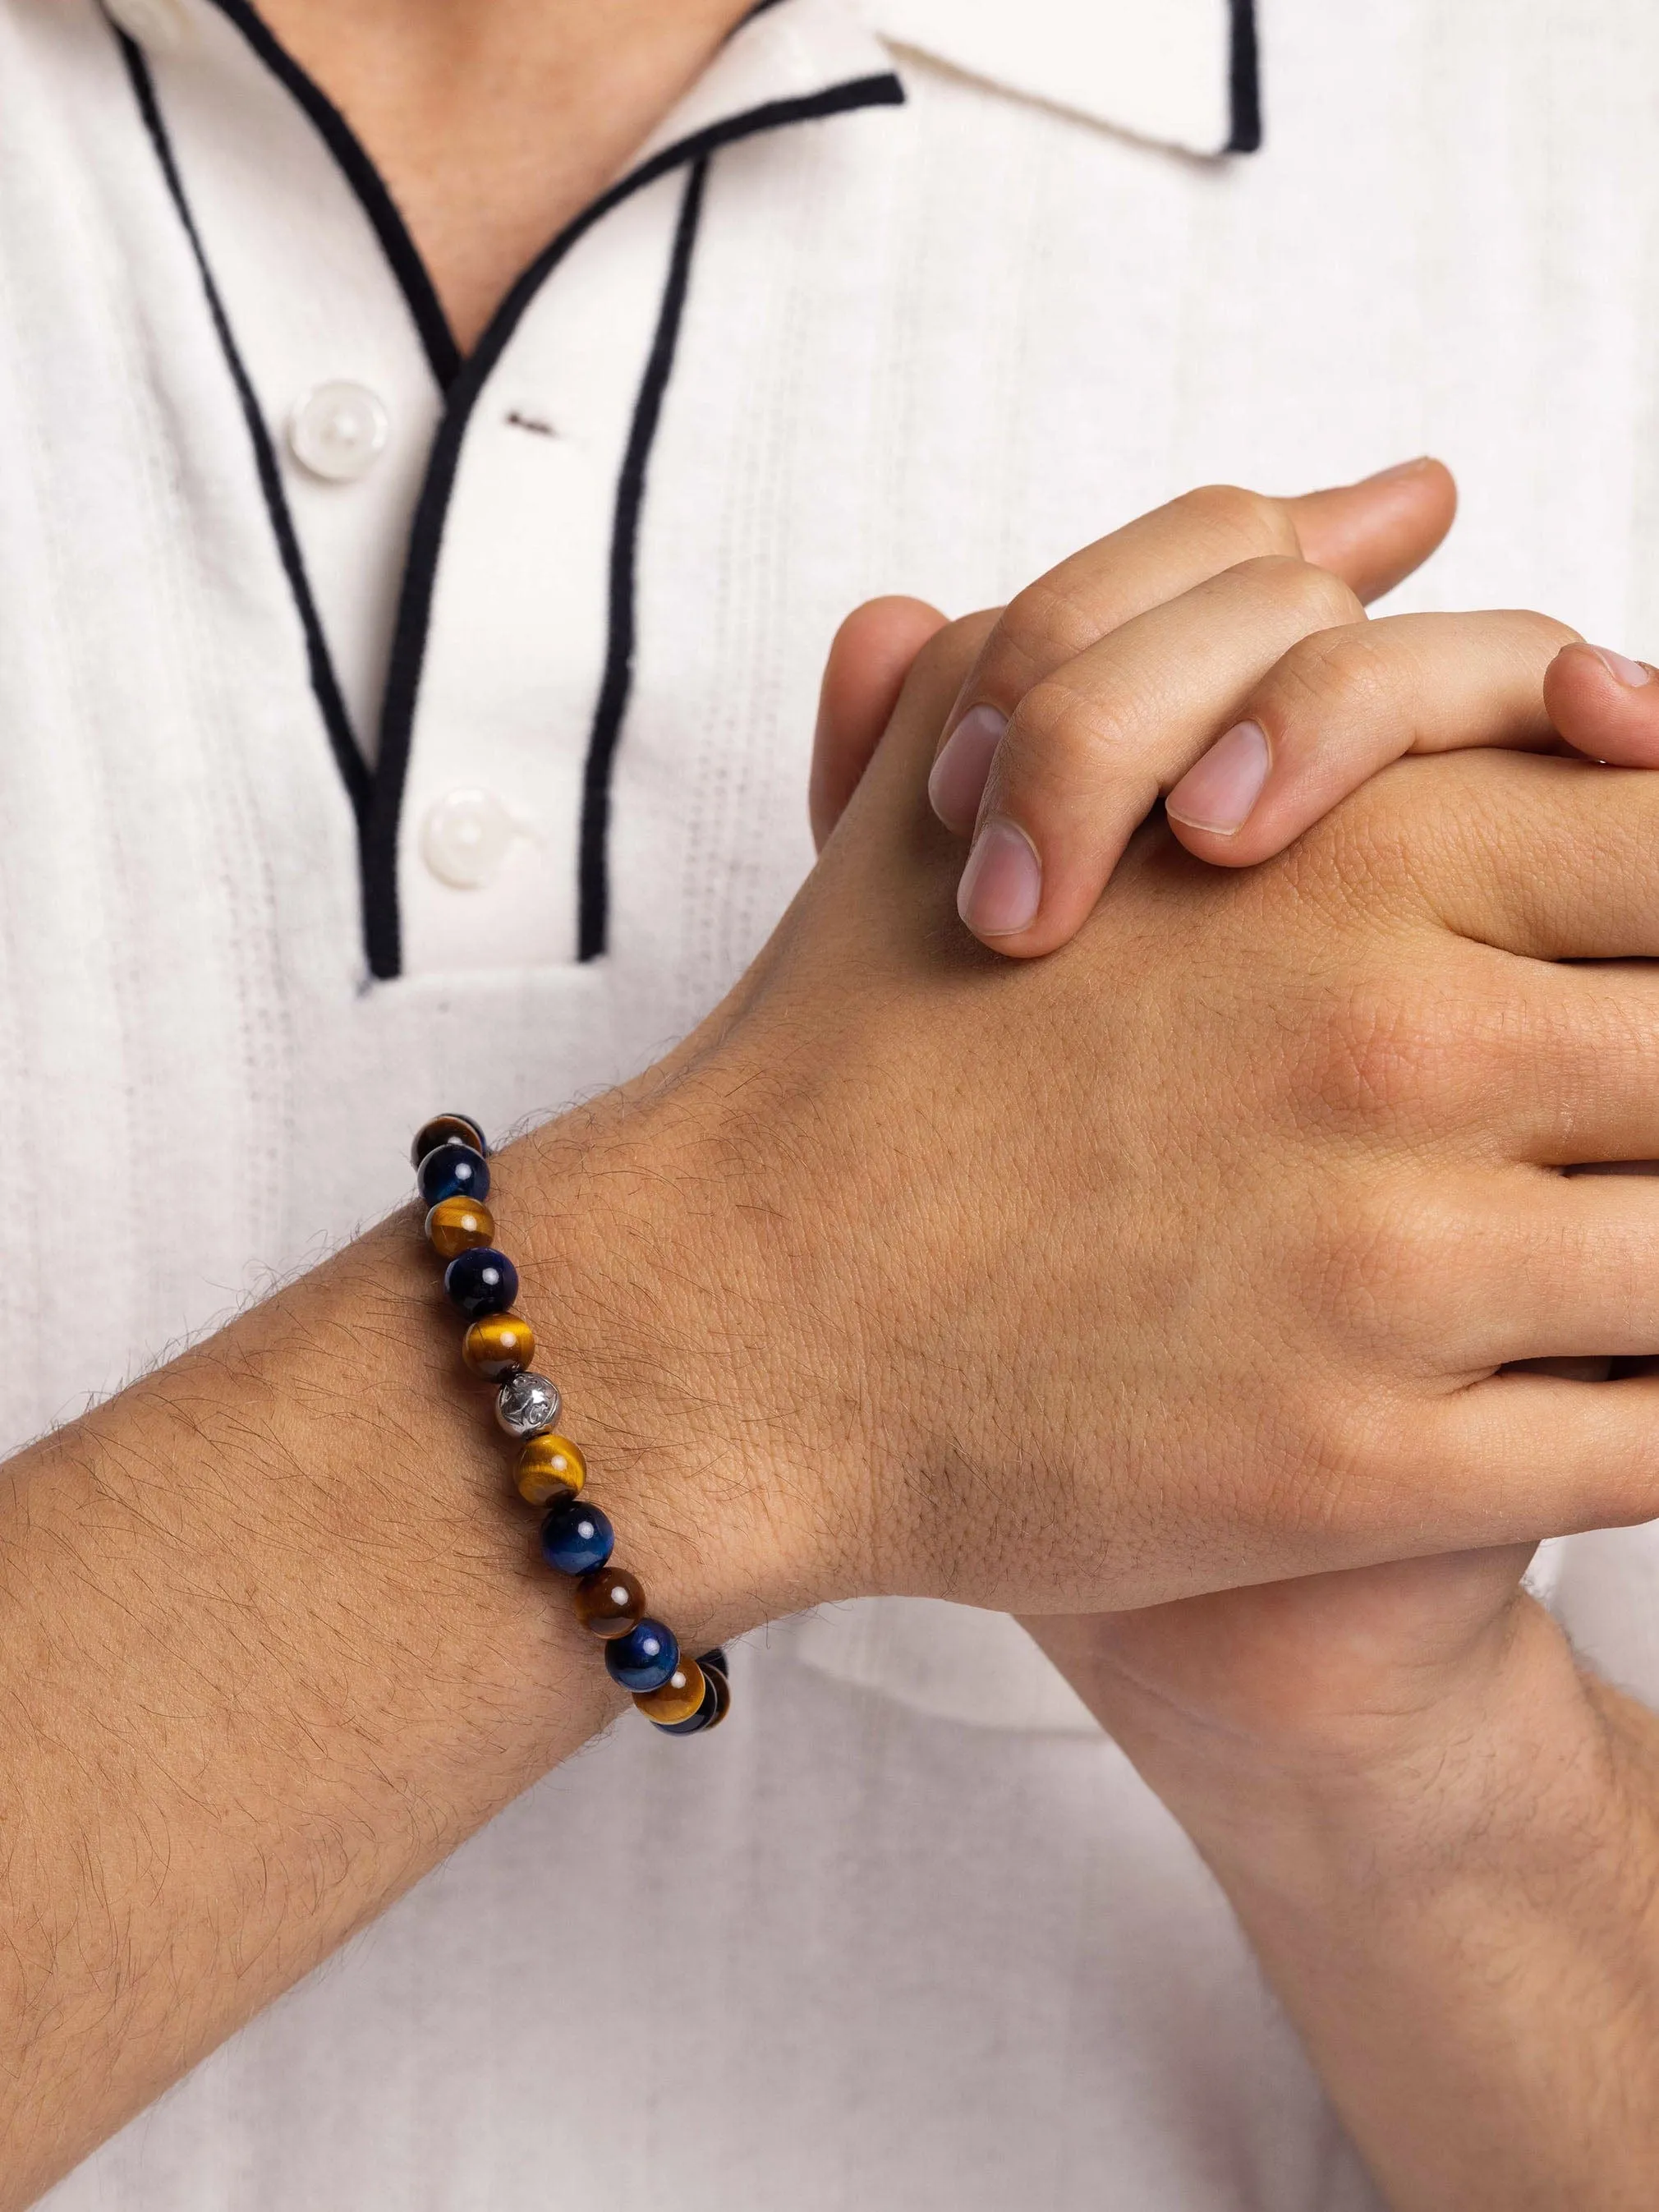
[{"x": 522, "y": 422}]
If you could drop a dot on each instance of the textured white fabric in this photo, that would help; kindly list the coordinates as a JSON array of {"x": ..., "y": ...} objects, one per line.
[
  {"x": 1160, "y": 72},
  {"x": 923, "y": 1960}
]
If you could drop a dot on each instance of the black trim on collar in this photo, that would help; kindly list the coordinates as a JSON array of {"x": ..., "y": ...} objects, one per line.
[
  {"x": 1245, "y": 81},
  {"x": 382, "y": 930},
  {"x": 594, "y": 847},
  {"x": 401, "y": 251},
  {"x": 336, "y": 722}
]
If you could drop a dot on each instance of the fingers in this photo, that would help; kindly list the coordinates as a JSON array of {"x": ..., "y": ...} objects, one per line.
[
  {"x": 1531, "y": 1455},
  {"x": 1088, "y": 749},
  {"x": 1370, "y": 534},
  {"x": 871, "y": 655},
  {"x": 1572, "y": 1052},
  {"x": 1553, "y": 858},
  {"x": 1373, "y": 534},
  {"x": 1605, "y": 704},
  {"x": 1479, "y": 1059},
  {"x": 1546, "y": 1267},
  {"x": 1345, "y": 703},
  {"x": 1512, "y": 1458},
  {"x": 888, "y": 800},
  {"x": 1459, "y": 1283}
]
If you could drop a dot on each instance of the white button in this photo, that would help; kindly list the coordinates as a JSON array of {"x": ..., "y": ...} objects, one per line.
[
  {"x": 463, "y": 837},
  {"x": 157, "y": 24},
  {"x": 337, "y": 430}
]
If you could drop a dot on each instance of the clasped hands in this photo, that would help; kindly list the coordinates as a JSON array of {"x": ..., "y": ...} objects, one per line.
[{"x": 1203, "y": 1262}]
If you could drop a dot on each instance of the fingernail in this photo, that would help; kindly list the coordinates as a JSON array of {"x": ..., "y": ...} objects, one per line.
[
  {"x": 1218, "y": 792},
  {"x": 1621, "y": 665},
  {"x": 1001, "y": 886},
  {"x": 957, "y": 782},
  {"x": 1401, "y": 469}
]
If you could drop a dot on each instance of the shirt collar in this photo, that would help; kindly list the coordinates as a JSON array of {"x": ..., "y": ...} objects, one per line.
[
  {"x": 785, "y": 54},
  {"x": 1180, "y": 73}
]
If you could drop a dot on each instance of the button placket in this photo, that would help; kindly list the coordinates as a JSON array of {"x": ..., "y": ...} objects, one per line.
[{"x": 516, "y": 649}]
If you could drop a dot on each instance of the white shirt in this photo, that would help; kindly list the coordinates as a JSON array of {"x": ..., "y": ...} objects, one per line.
[{"x": 301, "y": 838}]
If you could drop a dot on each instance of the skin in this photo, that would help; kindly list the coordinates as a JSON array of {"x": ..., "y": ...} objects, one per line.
[
  {"x": 1441, "y": 1834},
  {"x": 494, "y": 122},
  {"x": 232, "y": 1726}
]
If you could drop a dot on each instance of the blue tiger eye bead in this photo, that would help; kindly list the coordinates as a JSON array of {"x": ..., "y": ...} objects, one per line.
[
  {"x": 452, "y": 1171},
  {"x": 576, "y": 1538},
  {"x": 644, "y": 1658},
  {"x": 482, "y": 1281}
]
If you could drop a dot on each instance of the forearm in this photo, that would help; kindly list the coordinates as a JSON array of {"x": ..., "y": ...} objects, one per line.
[
  {"x": 1466, "y": 1937},
  {"x": 273, "y": 1635}
]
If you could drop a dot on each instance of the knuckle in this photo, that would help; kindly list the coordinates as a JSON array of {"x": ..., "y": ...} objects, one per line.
[
  {"x": 1057, "y": 726},
  {"x": 1364, "y": 1454},
  {"x": 1322, "y": 601},
  {"x": 949, "y": 655},
  {"x": 1050, "y": 620},
  {"x": 1344, "y": 1478},
  {"x": 1341, "y": 666},
  {"x": 1382, "y": 1268},
  {"x": 1232, "y": 516},
  {"x": 1385, "y": 1061}
]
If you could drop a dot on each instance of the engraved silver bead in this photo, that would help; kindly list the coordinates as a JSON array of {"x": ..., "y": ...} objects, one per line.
[{"x": 526, "y": 1404}]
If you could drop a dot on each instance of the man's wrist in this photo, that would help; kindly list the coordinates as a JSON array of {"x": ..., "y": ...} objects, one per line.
[
  {"x": 647, "y": 1273},
  {"x": 1510, "y": 1766},
  {"x": 1465, "y": 1935}
]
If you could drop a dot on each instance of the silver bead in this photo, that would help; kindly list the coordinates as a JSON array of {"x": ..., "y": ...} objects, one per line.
[{"x": 526, "y": 1404}]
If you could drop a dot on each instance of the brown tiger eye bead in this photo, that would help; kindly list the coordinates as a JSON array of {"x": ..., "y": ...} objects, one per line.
[
  {"x": 680, "y": 1696},
  {"x": 609, "y": 1601},
  {"x": 498, "y": 1345},
  {"x": 457, "y": 1225},
  {"x": 445, "y": 1129},
  {"x": 550, "y": 1466}
]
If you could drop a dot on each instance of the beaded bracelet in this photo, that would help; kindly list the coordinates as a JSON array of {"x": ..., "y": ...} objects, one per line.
[{"x": 681, "y": 1696}]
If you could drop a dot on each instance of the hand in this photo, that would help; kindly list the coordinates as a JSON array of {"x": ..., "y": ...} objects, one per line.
[
  {"x": 1189, "y": 1258},
  {"x": 1050, "y": 759},
  {"x": 1311, "y": 1662}
]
